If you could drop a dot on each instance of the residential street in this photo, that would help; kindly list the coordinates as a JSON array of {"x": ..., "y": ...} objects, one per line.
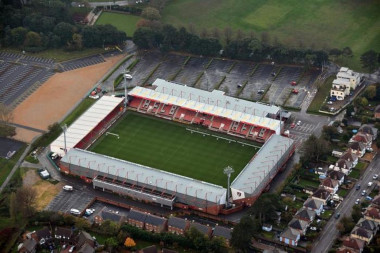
[{"x": 330, "y": 233}]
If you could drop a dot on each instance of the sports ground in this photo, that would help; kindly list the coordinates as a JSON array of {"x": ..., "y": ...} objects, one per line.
[
  {"x": 123, "y": 22},
  {"x": 171, "y": 147}
]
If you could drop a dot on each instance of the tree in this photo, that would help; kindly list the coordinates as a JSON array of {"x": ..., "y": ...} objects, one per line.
[
  {"x": 363, "y": 102},
  {"x": 265, "y": 207},
  {"x": 18, "y": 35},
  {"x": 151, "y": 13},
  {"x": 227, "y": 34},
  {"x": 13, "y": 206},
  {"x": 265, "y": 38},
  {"x": 82, "y": 224},
  {"x": 345, "y": 225},
  {"x": 129, "y": 242},
  {"x": 314, "y": 149},
  {"x": 111, "y": 243},
  {"x": 65, "y": 31},
  {"x": 370, "y": 92},
  {"x": 242, "y": 234},
  {"x": 109, "y": 227},
  {"x": 329, "y": 132},
  {"x": 369, "y": 60},
  {"x": 32, "y": 39},
  {"x": 356, "y": 213},
  {"x": 26, "y": 200},
  {"x": 347, "y": 52}
]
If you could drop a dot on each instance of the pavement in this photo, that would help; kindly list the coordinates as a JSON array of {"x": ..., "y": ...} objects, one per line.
[{"x": 330, "y": 232}]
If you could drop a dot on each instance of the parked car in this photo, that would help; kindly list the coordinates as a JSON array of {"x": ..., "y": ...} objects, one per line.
[
  {"x": 357, "y": 187},
  {"x": 313, "y": 228},
  {"x": 260, "y": 91},
  {"x": 364, "y": 193},
  {"x": 128, "y": 76},
  {"x": 295, "y": 91},
  {"x": 357, "y": 201},
  {"x": 337, "y": 216},
  {"x": 294, "y": 83},
  {"x": 74, "y": 211},
  {"x": 94, "y": 96},
  {"x": 299, "y": 123},
  {"x": 293, "y": 125},
  {"x": 71, "y": 249},
  {"x": 375, "y": 176},
  {"x": 329, "y": 102},
  {"x": 370, "y": 184},
  {"x": 68, "y": 188},
  {"x": 368, "y": 198}
]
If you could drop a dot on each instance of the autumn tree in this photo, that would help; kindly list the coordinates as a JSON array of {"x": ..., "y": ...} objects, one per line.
[
  {"x": 370, "y": 92},
  {"x": 82, "y": 224},
  {"x": 26, "y": 200},
  {"x": 151, "y": 13},
  {"x": 111, "y": 243},
  {"x": 129, "y": 242}
]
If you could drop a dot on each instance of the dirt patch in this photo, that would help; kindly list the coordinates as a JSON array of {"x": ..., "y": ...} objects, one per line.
[
  {"x": 56, "y": 96},
  {"x": 30, "y": 178}
]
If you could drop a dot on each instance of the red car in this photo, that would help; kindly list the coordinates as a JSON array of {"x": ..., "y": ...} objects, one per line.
[
  {"x": 293, "y": 83},
  {"x": 292, "y": 125},
  {"x": 295, "y": 91}
]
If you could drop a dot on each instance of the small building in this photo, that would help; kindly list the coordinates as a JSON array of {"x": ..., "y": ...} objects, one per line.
[
  {"x": 348, "y": 156},
  {"x": 364, "y": 138},
  {"x": 369, "y": 130},
  {"x": 362, "y": 234},
  {"x": 357, "y": 148},
  {"x": 155, "y": 224},
  {"x": 28, "y": 246},
  {"x": 106, "y": 215},
  {"x": 136, "y": 218},
  {"x": 315, "y": 205},
  {"x": 372, "y": 213},
  {"x": 354, "y": 244},
  {"x": 290, "y": 236},
  {"x": 336, "y": 175},
  {"x": 299, "y": 225},
  {"x": 322, "y": 195},
  {"x": 177, "y": 225},
  {"x": 206, "y": 230},
  {"x": 377, "y": 112},
  {"x": 330, "y": 185},
  {"x": 343, "y": 166},
  {"x": 305, "y": 215},
  {"x": 63, "y": 234},
  {"x": 224, "y": 233},
  {"x": 85, "y": 238}
]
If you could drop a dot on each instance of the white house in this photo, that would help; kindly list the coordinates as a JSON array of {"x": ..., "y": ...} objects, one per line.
[
  {"x": 348, "y": 156},
  {"x": 345, "y": 81},
  {"x": 314, "y": 205},
  {"x": 357, "y": 148},
  {"x": 330, "y": 185}
]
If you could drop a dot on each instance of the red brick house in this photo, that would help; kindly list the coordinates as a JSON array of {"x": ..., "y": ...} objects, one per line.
[
  {"x": 177, "y": 225},
  {"x": 224, "y": 233},
  {"x": 354, "y": 244},
  {"x": 105, "y": 215},
  {"x": 136, "y": 218},
  {"x": 204, "y": 229},
  {"x": 330, "y": 185},
  {"x": 155, "y": 224},
  {"x": 373, "y": 214},
  {"x": 28, "y": 246},
  {"x": 377, "y": 112}
]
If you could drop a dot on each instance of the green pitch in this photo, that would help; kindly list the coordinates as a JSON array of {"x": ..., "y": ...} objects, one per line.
[
  {"x": 123, "y": 22},
  {"x": 168, "y": 146}
]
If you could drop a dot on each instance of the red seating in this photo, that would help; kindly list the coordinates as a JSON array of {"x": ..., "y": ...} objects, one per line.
[
  {"x": 245, "y": 129},
  {"x": 135, "y": 102},
  {"x": 216, "y": 122}
]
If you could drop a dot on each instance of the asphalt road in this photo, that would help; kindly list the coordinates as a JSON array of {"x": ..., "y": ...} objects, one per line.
[{"x": 329, "y": 233}]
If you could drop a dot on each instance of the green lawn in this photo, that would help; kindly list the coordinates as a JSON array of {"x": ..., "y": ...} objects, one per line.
[
  {"x": 122, "y": 22},
  {"x": 361, "y": 165},
  {"x": 169, "y": 146},
  {"x": 319, "y": 24},
  {"x": 342, "y": 192},
  {"x": 7, "y": 165},
  {"x": 323, "y": 92},
  {"x": 308, "y": 183},
  {"x": 355, "y": 173}
]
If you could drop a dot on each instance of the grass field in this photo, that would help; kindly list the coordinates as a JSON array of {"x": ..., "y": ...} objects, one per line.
[
  {"x": 323, "y": 92},
  {"x": 122, "y": 22},
  {"x": 169, "y": 146},
  {"x": 320, "y": 24}
]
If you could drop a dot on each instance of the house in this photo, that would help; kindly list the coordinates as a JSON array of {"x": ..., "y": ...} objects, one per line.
[
  {"x": 155, "y": 224},
  {"x": 290, "y": 236},
  {"x": 28, "y": 246},
  {"x": 206, "y": 230},
  {"x": 376, "y": 201},
  {"x": 348, "y": 156},
  {"x": 267, "y": 227},
  {"x": 322, "y": 195},
  {"x": 372, "y": 213},
  {"x": 330, "y": 185},
  {"x": 106, "y": 215},
  {"x": 346, "y": 80},
  {"x": 336, "y": 175},
  {"x": 364, "y": 138},
  {"x": 42, "y": 236},
  {"x": 357, "y": 148},
  {"x": 362, "y": 234},
  {"x": 354, "y": 244},
  {"x": 223, "y": 232},
  {"x": 85, "y": 238},
  {"x": 86, "y": 248},
  {"x": 63, "y": 234},
  {"x": 343, "y": 166},
  {"x": 377, "y": 112},
  {"x": 305, "y": 215},
  {"x": 177, "y": 225},
  {"x": 149, "y": 249},
  {"x": 136, "y": 218},
  {"x": 368, "y": 224},
  {"x": 299, "y": 225},
  {"x": 315, "y": 205},
  {"x": 369, "y": 130}
]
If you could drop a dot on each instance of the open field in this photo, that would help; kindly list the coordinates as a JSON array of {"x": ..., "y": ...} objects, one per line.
[
  {"x": 122, "y": 22},
  {"x": 323, "y": 92},
  {"x": 321, "y": 24},
  {"x": 169, "y": 146}
]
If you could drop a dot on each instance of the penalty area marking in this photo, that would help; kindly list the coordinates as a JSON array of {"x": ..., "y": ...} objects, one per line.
[
  {"x": 107, "y": 133},
  {"x": 219, "y": 137}
]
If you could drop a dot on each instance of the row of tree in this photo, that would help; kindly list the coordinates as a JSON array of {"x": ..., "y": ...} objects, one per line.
[{"x": 167, "y": 38}]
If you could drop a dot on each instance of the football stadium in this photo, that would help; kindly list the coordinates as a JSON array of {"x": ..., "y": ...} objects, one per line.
[{"x": 171, "y": 144}]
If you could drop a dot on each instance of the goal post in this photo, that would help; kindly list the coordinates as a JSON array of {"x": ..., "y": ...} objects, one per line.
[{"x": 116, "y": 135}]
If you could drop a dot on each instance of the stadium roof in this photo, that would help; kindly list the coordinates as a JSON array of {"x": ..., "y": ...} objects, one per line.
[
  {"x": 262, "y": 167},
  {"x": 143, "y": 174},
  {"x": 215, "y": 103},
  {"x": 85, "y": 123}
]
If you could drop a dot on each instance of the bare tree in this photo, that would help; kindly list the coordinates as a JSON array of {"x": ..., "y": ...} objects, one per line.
[
  {"x": 252, "y": 34},
  {"x": 216, "y": 33},
  {"x": 227, "y": 34},
  {"x": 204, "y": 33},
  {"x": 26, "y": 200},
  {"x": 265, "y": 39},
  {"x": 192, "y": 29},
  {"x": 239, "y": 34},
  {"x": 6, "y": 114}
]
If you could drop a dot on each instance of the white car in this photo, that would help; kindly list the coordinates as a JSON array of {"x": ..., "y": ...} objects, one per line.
[
  {"x": 375, "y": 176},
  {"x": 329, "y": 102},
  {"x": 370, "y": 184},
  {"x": 128, "y": 76},
  {"x": 364, "y": 193},
  {"x": 74, "y": 211},
  {"x": 71, "y": 249},
  {"x": 357, "y": 201},
  {"x": 68, "y": 188},
  {"x": 299, "y": 123},
  {"x": 313, "y": 228},
  {"x": 94, "y": 96}
]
